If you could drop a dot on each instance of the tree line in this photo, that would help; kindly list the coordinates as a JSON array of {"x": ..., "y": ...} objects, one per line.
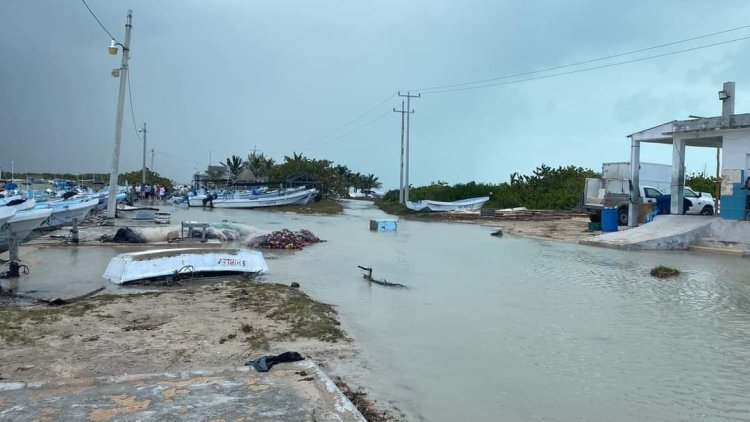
[{"x": 334, "y": 179}]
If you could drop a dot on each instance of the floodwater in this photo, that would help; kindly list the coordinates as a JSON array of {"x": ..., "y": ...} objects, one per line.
[{"x": 509, "y": 328}]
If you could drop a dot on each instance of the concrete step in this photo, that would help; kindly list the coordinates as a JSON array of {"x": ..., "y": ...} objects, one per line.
[
  {"x": 720, "y": 246},
  {"x": 720, "y": 250}
]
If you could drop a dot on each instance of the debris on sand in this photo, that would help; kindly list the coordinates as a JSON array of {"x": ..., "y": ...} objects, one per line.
[
  {"x": 285, "y": 239},
  {"x": 664, "y": 272}
]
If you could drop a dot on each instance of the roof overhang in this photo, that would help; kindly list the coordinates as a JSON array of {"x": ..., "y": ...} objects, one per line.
[{"x": 698, "y": 132}]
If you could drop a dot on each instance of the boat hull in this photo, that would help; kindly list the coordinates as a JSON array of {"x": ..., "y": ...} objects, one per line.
[
  {"x": 298, "y": 197},
  {"x": 144, "y": 265},
  {"x": 137, "y": 213},
  {"x": 22, "y": 224},
  {"x": 471, "y": 204},
  {"x": 64, "y": 212}
]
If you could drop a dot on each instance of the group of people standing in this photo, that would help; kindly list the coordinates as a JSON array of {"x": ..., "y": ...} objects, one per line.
[{"x": 147, "y": 191}]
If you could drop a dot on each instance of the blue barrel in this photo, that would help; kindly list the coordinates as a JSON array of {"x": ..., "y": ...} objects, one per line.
[{"x": 609, "y": 219}]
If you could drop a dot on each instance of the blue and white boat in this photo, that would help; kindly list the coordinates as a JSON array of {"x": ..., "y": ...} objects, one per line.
[
  {"x": 22, "y": 224},
  {"x": 65, "y": 211}
]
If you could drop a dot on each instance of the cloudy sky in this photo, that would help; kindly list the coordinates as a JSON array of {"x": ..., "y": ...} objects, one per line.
[{"x": 212, "y": 79}]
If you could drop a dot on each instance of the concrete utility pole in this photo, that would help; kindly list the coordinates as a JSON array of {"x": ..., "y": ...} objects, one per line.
[
  {"x": 152, "y": 159},
  {"x": 409, "y": 111},
  {"x": 143, "y": 178},
  {"x": 401, "y": 185},
  {"x": 112, "y": 199}
]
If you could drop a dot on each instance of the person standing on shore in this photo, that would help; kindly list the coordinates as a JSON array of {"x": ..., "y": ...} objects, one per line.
[{"x": 746, "y": 188}]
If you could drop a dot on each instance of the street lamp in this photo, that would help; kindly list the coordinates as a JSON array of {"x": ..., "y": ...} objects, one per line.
[{"x": 122, "y": 73}]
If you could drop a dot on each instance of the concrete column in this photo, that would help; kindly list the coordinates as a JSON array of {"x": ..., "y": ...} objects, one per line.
[
  {"x": 635, "y": 167},
  {"x": 678, "y": 175}
]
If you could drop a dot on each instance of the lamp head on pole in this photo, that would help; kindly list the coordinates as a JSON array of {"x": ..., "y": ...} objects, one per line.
[{"x": 112, "y": 48}]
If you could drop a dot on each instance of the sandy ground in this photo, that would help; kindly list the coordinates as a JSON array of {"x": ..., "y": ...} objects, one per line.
[
  {"x": 556, "y": 226},
  {"x": 571, "y": 230},
  {"x": 207, "y": 327}
]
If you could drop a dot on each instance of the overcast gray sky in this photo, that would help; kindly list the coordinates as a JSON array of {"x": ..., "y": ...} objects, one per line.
[{"x": 217, "y": 78}]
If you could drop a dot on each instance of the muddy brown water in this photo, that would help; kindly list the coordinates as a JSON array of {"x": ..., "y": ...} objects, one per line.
[{"x": 504, "y": 328}]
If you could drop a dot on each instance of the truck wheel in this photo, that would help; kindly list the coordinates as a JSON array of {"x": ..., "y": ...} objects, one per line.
[
  {"x": 707, "y": 210},
  {"x": 595, "y": 218},
  {"x": 622, "y": 217}
]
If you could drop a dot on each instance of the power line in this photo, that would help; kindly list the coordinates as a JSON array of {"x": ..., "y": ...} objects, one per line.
[
  {"x": 174, "y": 157},
  {"x": 343, "y": 135},
  {"x": 351, "y": 122},
  {"x": 132, "y": 114},
  {"x": 671, "y": 53},
  {"x": 98, "y": 21},
  {"x": 612, "y": 56}
]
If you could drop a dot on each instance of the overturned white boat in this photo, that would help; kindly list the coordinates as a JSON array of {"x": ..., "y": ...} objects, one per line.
[
  {"x": 144, "y": 265},
  {"x": 470, "y": 204},
  {"x": 136, "y": 213}
]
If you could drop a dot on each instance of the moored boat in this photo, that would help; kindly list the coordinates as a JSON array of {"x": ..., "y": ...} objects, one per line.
[
  {"x": 470, "y": 204},
  {"x": 22, "y": 223},
  {"x": 289, "y": 198},
  {"x": 64, "y": 212},
  {"x": 144, "y": 265},
  {"x": 6, "y": 213}
]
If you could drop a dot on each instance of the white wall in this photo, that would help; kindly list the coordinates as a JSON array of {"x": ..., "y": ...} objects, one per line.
[{"x": 736, "y": 146}]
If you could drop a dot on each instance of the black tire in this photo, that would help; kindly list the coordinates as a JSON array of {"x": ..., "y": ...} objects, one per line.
[
  {"x": 595, "y": 218},
  {"x": 707, "y": 210},
  {"x": 622, "y": 217}
]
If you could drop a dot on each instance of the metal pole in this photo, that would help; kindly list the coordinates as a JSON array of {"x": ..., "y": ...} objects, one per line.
[
  {"x": 112, "y": 199},
  {"x": 143, "y": 178}
]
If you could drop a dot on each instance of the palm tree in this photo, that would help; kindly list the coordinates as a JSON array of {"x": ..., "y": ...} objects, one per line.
[
  {"x": 234, "y": 164},
  {"x": 370, "y": 182},
  {"x": 259, "y": 164}
]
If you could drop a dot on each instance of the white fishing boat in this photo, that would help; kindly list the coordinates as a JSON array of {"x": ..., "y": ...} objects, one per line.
[
  {"x": 6, "y": 213},
  {"x": 64, "y": 212},
  {"x": 144, "y": 265},
  {"x": 296, "y": 197},
  {"x": 136, "y": 213},
  {"x": 470, "y": 204},
  {"x": 22, "y": 223},
  {"x": 18, "y": 202},
  {"x": 202, "y": 199}
]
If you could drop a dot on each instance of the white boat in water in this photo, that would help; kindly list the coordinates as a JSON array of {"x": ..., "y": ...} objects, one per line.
[
  {"x": 136, "y": 213},
  {"x": 64, "y": 212},
  {"x": 144, "y": 265},
  {"x": 471, "y": 204},
  {"x": 22, "y": 223},
  {"x": 295, "y": 197}
]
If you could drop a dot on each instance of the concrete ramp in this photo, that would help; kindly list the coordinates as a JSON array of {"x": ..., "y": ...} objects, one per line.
[
  {"x": 665, "y": 232},
  {"x": 297, "y": 391}
]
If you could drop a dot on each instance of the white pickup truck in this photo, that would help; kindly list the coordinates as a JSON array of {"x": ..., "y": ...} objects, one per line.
[{"x": 598, "y": 196}]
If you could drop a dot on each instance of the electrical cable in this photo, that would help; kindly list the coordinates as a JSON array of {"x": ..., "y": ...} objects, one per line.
[
  {"x": 589, "y": 68},
  {"x": 612, "y": 56},
  {"x": 132, "y": 113},
  {"x": 98, "y": 21},
  {"x": 349, "y": 123},
  {"x": 328, "y": 141}
]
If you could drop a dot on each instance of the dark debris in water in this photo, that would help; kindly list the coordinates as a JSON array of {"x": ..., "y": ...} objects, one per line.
[{"x": 664, "y": 272}]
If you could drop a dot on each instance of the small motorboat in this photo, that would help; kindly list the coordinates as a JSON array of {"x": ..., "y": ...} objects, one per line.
[{"x": 155, "y": 264}]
